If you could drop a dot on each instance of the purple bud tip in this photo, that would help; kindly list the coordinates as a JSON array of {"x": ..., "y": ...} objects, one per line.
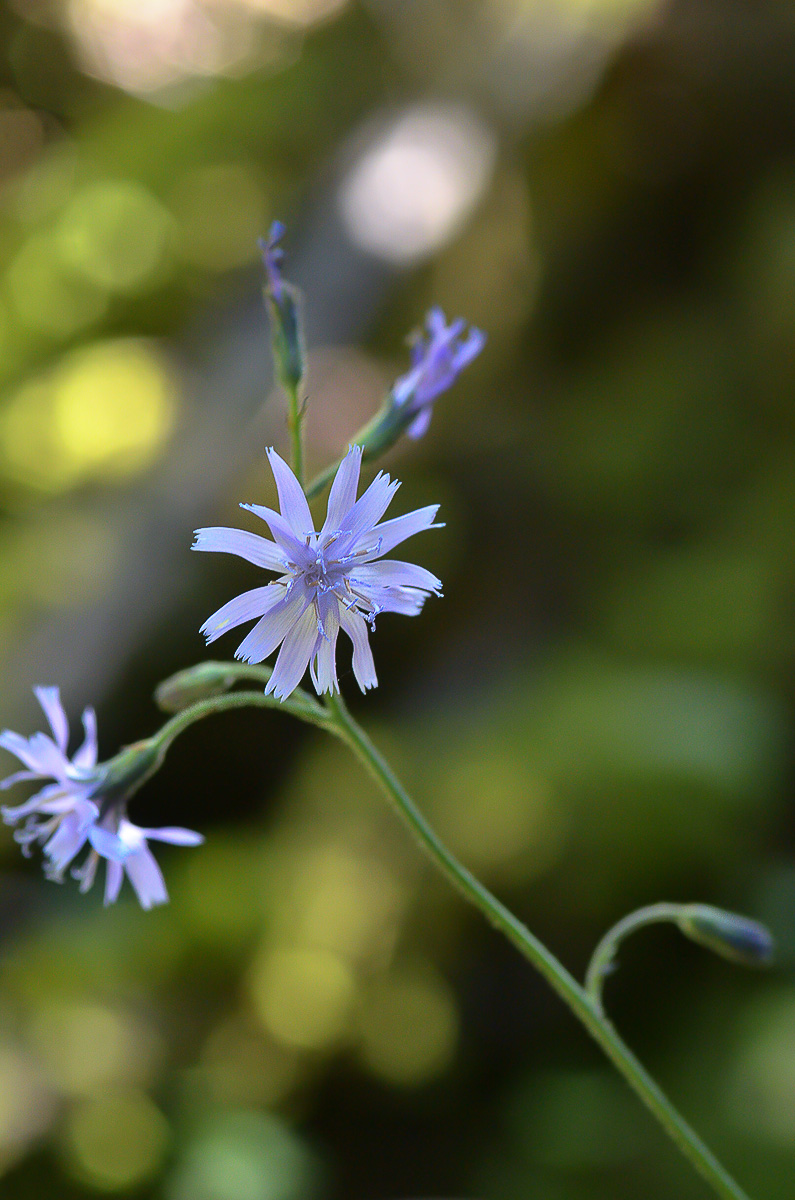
[
  {"x": 272, "y": 256},
  {"x": 728, "y": 934}
]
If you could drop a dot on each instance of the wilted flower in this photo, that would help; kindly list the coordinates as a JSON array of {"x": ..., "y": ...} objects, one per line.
[
  {"x": 435, "y": 365},
  {"x": 85, "y": 803},
  {"x": 328, "y": 581}
]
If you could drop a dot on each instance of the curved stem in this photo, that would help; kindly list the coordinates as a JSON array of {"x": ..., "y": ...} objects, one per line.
[
  {"x": 603, "y": 956},
  {"x": 305, "y": 708},
  {"x": 570, "y": 991}
]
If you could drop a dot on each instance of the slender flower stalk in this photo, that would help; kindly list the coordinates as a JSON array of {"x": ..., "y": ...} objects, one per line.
[
  {"x": 283, "y": 302},
  {"x": 327, "y": 581},
  {"x": 578, "y": 1000},
  {"x": 585, "y": 1007}
]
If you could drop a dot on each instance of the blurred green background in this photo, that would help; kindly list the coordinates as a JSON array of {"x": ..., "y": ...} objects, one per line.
[{"x": 598, "y": 715}]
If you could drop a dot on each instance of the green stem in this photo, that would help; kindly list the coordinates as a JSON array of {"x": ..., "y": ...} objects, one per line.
[
  {"x": 295, "y": 423},
  {"x": 581, "y": 1004},
  {"x": 303, "y": 707},
  {"x": 323, "y": 479},
  {"x": 604, "y": 954}
]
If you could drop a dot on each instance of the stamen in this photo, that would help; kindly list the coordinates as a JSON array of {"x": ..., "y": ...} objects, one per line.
[{"x": 360, "y": 553}]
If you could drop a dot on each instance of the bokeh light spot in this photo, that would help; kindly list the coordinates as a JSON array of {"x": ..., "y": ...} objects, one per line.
[
  {"x": 46, "y": 295},
  {"x": 303, "y": 996},
  {"x": 116, "y": 1140},
  {"x": 115, "y": 234},
  {"x": 416, "y": 183},
  {"x": 85, "y": 1046},
  {"x": 221, "y": 210},
  {"x": 105, "y": 411},
  {"x": 498, "y": 815},
  {"x": 761, "y": 1100},
  {"x": 244, "y": 1156},
  {"x": 347, "y": 903},
  {"x": 25, "y": 1105},
  {"x": 408, "y": 1027}
]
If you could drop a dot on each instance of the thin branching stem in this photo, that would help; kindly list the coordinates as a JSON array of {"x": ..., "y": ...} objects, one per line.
[{"x": 584, "y": 1007}]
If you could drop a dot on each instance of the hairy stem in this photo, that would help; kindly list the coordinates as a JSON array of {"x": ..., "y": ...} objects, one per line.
[
  {"x": 584, "y": 1007},
  {"x": 303, "y": 707}
]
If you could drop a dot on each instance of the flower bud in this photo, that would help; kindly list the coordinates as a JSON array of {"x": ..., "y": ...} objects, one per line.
[
  {"x": 283, "y": 302},
  {"x": 200, "y": 682},
  {"x": 737, "y": 938}
]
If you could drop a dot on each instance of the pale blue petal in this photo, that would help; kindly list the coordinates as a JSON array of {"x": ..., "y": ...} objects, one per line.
[
  {"x": 51, "y": 760},
  {"x": 470, "y": 349},
  {"x": 324, "y": 675},
  {"x": 47, "y": 796},
  {"x": 370, "y": 507},
  {"x": 272, "y": 628},
  {"x": 113, "y": 881},
  {"x": 295, "y": 550},
  {"x": 292, "y": 500},
  {"x": 389, "y": 534},
  {"x": 391, "y": 573},
  {"x": 342, "y": 496},
  {"x": 408, "y": 601},
  {"x": 174, "y": 835},
  {"x": 146, "y": 877},
  {"x": 108, "y": 844},
  {"x": 55, "y": 798},
  {"x": 86, "y": 756},
  {"x": 363, "y": 666},
  {"x": 39, "y": 753},
  {"x": 298, "y": 647},
  {"x": 18, "y": 777},
  {"x": 255, "y": 549},
  {"x": 419, "y": 426},
  {"x": 22, "y": 749},
  {"x": 70, "y": 837},
  {"x": 50, "y": 700},
  {"x": 248, "y": 606}
]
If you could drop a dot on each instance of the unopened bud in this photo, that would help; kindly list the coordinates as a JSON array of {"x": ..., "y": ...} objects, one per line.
[
  {"x": 193, "y": 684},
  {"x": 283, "y": 302},
  {"x": 734, "y": 937}
]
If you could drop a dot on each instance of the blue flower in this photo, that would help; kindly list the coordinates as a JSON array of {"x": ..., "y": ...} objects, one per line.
[
  {"x": 436, "y": 364},
  {"x": 327, "y": 581},
  {"x": 85, "y": 804}
]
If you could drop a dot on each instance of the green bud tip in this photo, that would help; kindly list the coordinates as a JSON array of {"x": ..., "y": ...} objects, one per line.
[{"x": 737, "y": 938}]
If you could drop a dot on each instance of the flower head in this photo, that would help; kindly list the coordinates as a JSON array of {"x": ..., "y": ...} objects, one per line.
[
  {"x": 84, "y": 802},
  {"x": 435, "y": 365},
  {"x": 61, "y": 815},
  {"x": 327, "y": 581}
]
